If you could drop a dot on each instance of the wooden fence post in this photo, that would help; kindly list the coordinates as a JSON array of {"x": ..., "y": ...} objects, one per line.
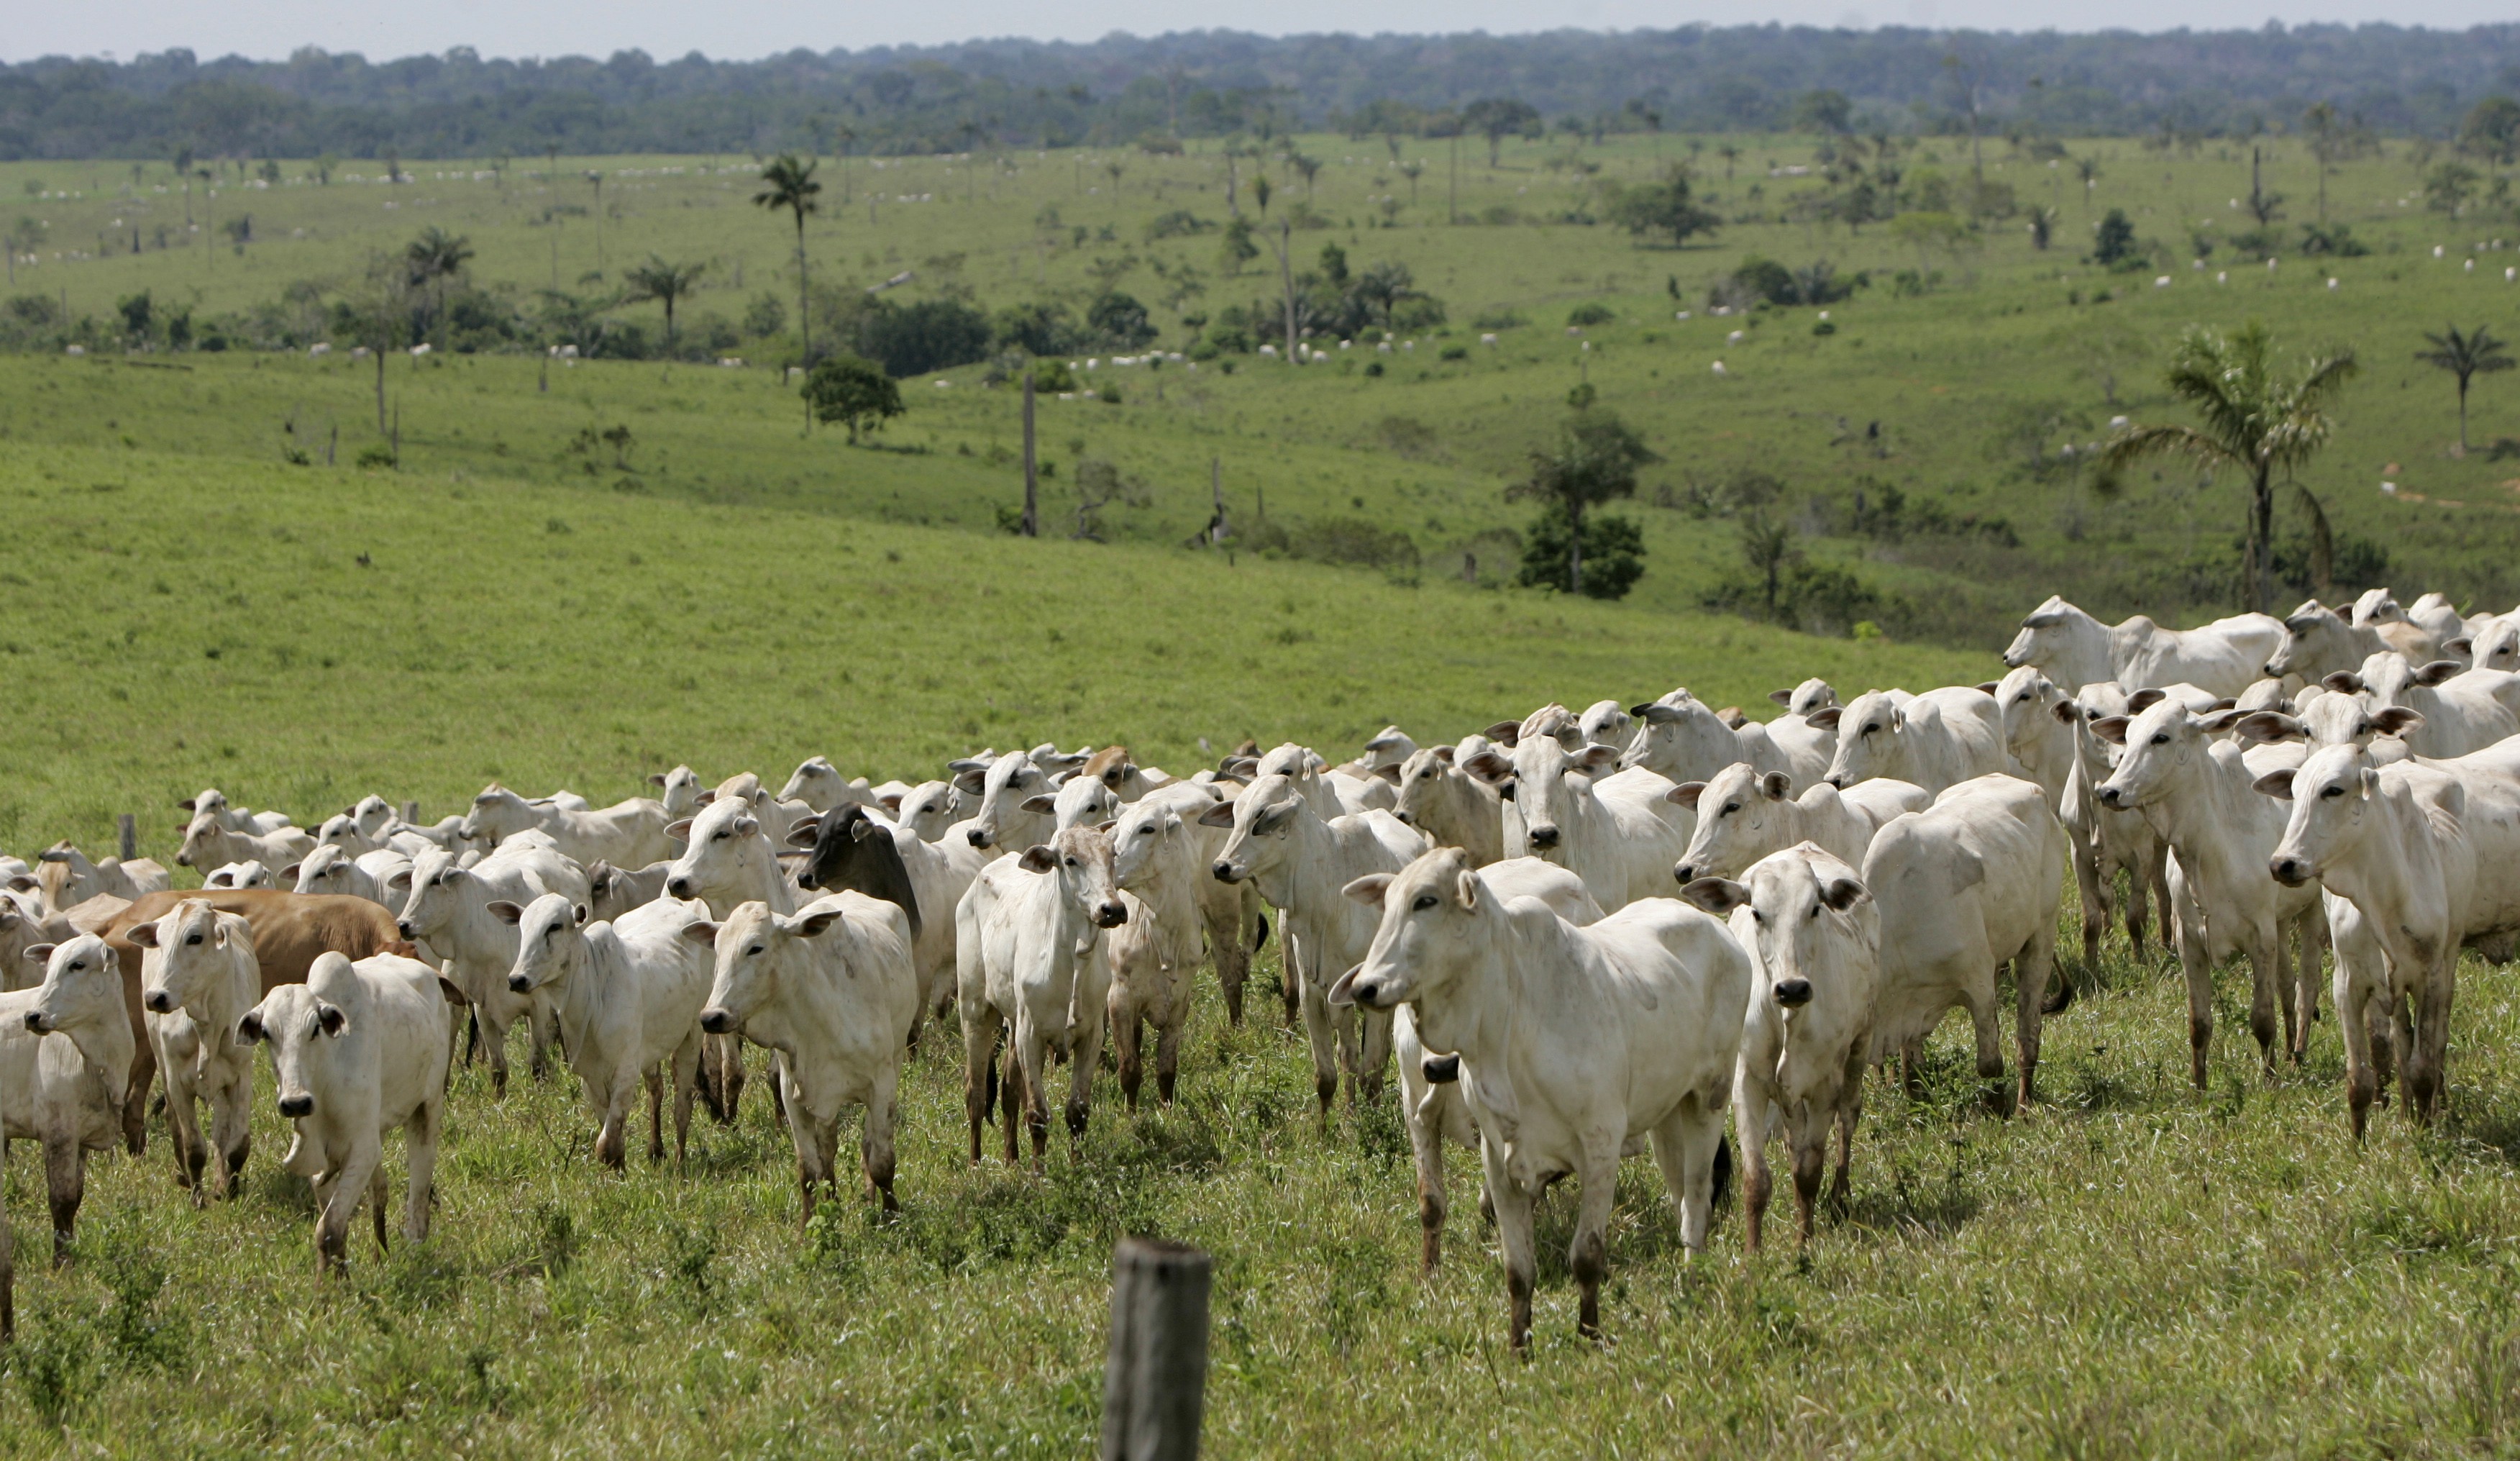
[
  {"x": 1155, "y": 1383},
  {"x": 411, "y": 814},
  {"x": 126, "y": 837}
]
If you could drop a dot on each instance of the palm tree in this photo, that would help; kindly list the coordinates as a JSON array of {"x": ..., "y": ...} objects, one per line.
[
  {"x": 2475, "y": 353},
  {"x": 1731, "y": 154},
  {"x": 664, "y": 283},
  {"x": 434, "y": 257},
  {"x": 2255, "y": 421},
  {"x": 788, "y": 182}
]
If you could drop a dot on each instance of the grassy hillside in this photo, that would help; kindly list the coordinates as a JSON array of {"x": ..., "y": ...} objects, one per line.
[
  {"x": 2130, "y": 1269},
  {"x": 1959, "y": 392}
]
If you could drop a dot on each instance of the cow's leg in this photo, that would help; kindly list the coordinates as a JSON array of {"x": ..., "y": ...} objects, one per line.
[
  {"x": 2154, "y": 873},
  {"x": 65, "y": 1184},
  {"x": 1850, "y": 1112},
  {"x": 419, "y": 1138},
  {"x": 1168, "y": 1040},
  {"x": 2031, "y": 969},
  {"x": 1811, "y": 1154},
  {"x": 1011, "y": 1093},
  {"x": 377, "y": 1204},
  {"x": 2198, "y": 966},
  {"x": 2269, "y": 993},
  {"x": 686, "y": 1066},
  {"x": 494, "y": 1035},
  {"x": 135, "y": 1101},
  {"x": 1977, "y": 996},
  {"x": 1351, "y": 1056},
  {"x": 232, "y": 1124},
  {"x": 654, "y": 1078},
  {"x": 1323, "y": 1036},
  {"x": 183, "y": 1127},
  {"x": 2356, "y": 989},
  {"x": 1125, "y": 1035},
  {"x": 1087, "y": 1058},
  {"x": 1588, "y": 1259},
  {"x": 883, "y": 1110},
  {"x": 612, "y": 1133},
  {"x": 1376, "y": 1054},
  {"x": 1750, "y": 1114},
  {"x": 1426, "y": 1153},
  {"x": 730, "y": 1075},
  {"x": 2310, "y": 937},
  {"x": 2425, "y": 1074},
  {"x": 979, "y": 1066},
  {"x": 2094, "y": 904},
  {"x": 344, "y": 1188},
  {"x": 1032, "y": 1053},
  {"x": 1514, "y": 1234}
]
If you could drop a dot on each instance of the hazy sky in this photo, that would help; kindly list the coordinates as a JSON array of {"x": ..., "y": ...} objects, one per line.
[{"x": 747, "y": 29}]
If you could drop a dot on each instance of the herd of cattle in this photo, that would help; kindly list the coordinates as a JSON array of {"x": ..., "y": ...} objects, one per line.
[{"x": 1580, "y": 934}]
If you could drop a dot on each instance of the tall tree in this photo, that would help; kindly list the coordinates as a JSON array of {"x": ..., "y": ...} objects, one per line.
[
  {"x": 1593, "y": 460},
  {"x": 2475, "y": 353},
  {"x": 1498, "y": 117},
  {"x": 788, "y": 182},
  {"x": 434, "y": 257},
  {"x": 664, "y": 283},
  {"x": 2255, "y": 421}
]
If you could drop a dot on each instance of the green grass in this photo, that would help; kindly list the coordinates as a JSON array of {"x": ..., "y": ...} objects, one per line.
[
  {"x": 2131, "y": 1268},
  {"x": 2009, "y": 354}
]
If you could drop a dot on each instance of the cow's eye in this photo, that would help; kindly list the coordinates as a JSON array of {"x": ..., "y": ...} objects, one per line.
[
  {"x": 2333, "y": 792},
  {"x": 1869, "y": 729},
  {"x": 1071, "y": 862},
  {"x": 1730, "y": 807},
  {"x": 77, "y": 964},
  {"x": 1426, "y": 900},
  {"x": 721, "y": 836},
  {"x": 1814, "y": 910},
  {"x": 195, "y": 938},
  {"x": 2161, "y": 740},
  {"x": 752, "y": 952}
]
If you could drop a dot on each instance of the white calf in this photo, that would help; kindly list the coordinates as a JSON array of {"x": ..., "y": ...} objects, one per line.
[
  {"x": 1744, "y": 816},
  {"x": 197, "y": 974},
  {"x": 1935, "y": 740}
]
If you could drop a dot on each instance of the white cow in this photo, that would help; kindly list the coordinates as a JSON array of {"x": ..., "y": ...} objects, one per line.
[
  {"x": 626, "y": 834},
  {"x": 2421, "y": 634},
  {"x": 1805, "y": 747},
  {"x": 1451, "y": 806},
  {"x": 197, "y": 974},
  {"x": 449, "y": 905},
  {"x": 854, "y": 848},
  {"x": 233, "y": 817},
  {"x": 209, "y": 845},
  {"x": 1620, "y": 834},
  {"x": 1678, "y": 739},
  {"x": 1001, "y": 789},
  {"x": 2105, "y": 842},
  {"x": 330, "y": 869},
  {"x": 931, "y": 808},
  {"x": 627, "y": 994},
  {"x": 2196, "y": 789},
  {"x": 240, "y": 875},
  {"x": 356, "y": 1051},
  {"x": 1965, "y": 886},
  {"x": 831, "y": 989},
  {"x": 2463, "y": 711},
  {"x": 66, "y": 878},
  {"x": 1334, "y": 790},
  {"x": 2419, "y": 860},
  {"x": 2076, "y": 649},
  {"x": 66, "y": 1054},
  {"x": 1935, "y": 740},
  {"x": 1573, "y": 1043},
  {"x": 616, "y": 891},
  {"x": 678, "y": 792},
  {"x": 1744, "y": 816},
  {"x": 2040, "y": 742},
  {"x": 819, "y": 783},
  {"x": 727, "y": 861},
  {"x": 2317, "y": 642},
  {"x": 1814, "y": 941},
  {"x": 1160, "y": 861},
  {"x": 1024, "y": 971},
  {"x": 1299, "y": 861}
]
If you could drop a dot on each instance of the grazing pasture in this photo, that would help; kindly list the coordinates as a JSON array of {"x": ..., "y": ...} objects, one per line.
[{"x": 2129, "y": 1267}]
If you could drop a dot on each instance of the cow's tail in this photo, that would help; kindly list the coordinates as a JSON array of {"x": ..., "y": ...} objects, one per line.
[
  {"x": 1262, "y": 937},
  {"x": 1722, "y": 1171}
]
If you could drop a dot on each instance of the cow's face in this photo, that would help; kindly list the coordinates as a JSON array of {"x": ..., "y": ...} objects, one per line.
[
  {"x": 1681, "y": 738},
  {"x": 1546, "y": 782},
  {"x": 193, "y": 946},
  {"x": 816, "y": 782},
  {"x": 431, "y": 891},
  {"x": 1735, "y": 815},
  {"x": 719, "y": 845},
  {"x": 2332, "y": 795},
  {"x": 2496, "y": 646},
  {"x": 2042, "y": 639},
  {"x": 306, "y": 1034},
  {"x": 1080, "y": 802},
  {"x": 1263, "y": 819},
  {"x": 755, "y": 949},
  {"x": 1422, "y": 785},
  {"x": 930, "y": 808},
  {"x": 496, "y": 814},
  {"x": 1868, "y": 733},
  {"x": 1010, "y": 782},
  {"x": 2027, "y": 701},
  {"x": 205, "y": 843},
  {"x": 1607, "y": 723},
  {"x": 1434, "y": 918},
  {"x": 1792, "y": 910},
  {"x": 371, "y": 815},
  {"x": 2315, "y": 639},
  {"x": 1139, "y": 839},
  {"x": 81, "y": 997},
  {"x": 2165, "y": 746},
  {"x": 548, "y": 939},
  {"x": 1080, "y": 858}
]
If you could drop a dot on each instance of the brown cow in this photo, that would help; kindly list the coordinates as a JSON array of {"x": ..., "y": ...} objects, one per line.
[{"x": 290, "y": 929}]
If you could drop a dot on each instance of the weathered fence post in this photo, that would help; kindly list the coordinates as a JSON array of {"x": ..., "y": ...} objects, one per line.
[
  {"x": 126, "y": 834},
  {"x": 411, "y": 814},
  {"x": 1155, "y": 1381}
]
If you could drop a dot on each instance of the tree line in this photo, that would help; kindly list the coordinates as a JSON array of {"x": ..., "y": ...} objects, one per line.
[{"x": 1125, "y": 89}]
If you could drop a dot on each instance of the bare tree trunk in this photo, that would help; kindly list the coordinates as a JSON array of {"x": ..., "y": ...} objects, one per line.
[
  {"x": 804, "y": 316},
  {"x": 2262, "y": 542},
  {"x": 1575, "y": 549},
  {"x": 1032, "y": 479},
  {"x": 2462, "y": 416},
  {"x": 1287, "y": 277}
]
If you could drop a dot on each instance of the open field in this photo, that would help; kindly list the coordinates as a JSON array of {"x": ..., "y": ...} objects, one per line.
[
  {"x": 2129, "y": 1268},
  {"x": 1960, "y": 397}
]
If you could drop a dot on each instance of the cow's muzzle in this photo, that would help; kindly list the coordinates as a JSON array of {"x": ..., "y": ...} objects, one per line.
[
  {"x": 1793, "y": 994},
  {"x": 2292, "y": 872},
  {"x": 160, "y": 1002},
  {"x": 718, "y": 1021},
  {"x": 297, "y": 1105},
  {"x": 1111, "y": 915}
]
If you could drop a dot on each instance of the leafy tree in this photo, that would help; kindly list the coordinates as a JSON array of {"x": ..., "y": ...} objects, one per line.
[
  {"x": 915, "y": 338},
  {"x": 853, "y": 392},
  {"x": 1611, "y": 549},
  {"x": 1236, "y": 246},
  {"x": 765, "y": 316},
  {"x": 664, "y": 283},
  {"x": 2115, "y": 242},
  {"x": 1827, "y": 112},
  {"x": 137, "y": 312},
  {"x": 433, "y": 258},
  {"x": 1667, "y": 207},
  {"x": 2448, "y": 187},
  {"x": 788, "y": 182},
  {"x": 1593, "y": 460},
  {"x": 2475, "y": 353},
  {"x": 1498, "y": 117},
  {"x": 1383, "y": 288},
  {"x": 1767, "y": 547},
  {"x": 1121, "y": 319},
  {"x": 1260, "y": 191},
  {"x": 1038, "y": 329},
  {"x": 2492, "y": 131},
  {"x": 2256, "y": 421}
]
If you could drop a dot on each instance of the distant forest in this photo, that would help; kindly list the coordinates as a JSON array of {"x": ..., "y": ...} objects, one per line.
[{"x": 1125, "y": 90}]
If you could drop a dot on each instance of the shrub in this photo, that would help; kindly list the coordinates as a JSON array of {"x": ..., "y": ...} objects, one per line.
[
  {"x": 1453, "y": 352},
  {"x": 1590, "y": 314},
  {"x": 1177, "y": 224},
  {"x": 1615, "y": 554},
  {"x": 1498, "y": 319},
  {"x": 1121, "y": 320},
  {"x": 853, "y": 392},
  {"x": 929, "y": 335}
]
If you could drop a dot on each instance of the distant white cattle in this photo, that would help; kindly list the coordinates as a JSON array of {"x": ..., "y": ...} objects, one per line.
[
  {"x": 2076, "y": 649},
  {"x": 626, "y": 834}
]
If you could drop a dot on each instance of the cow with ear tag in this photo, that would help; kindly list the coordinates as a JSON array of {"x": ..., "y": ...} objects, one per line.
[
  {"x": 831, "y": 989},
  {"x": 1450, "y": 806},
  {"x": 1744, "y": 815},
  {"x": 1814, "y": 939},
  {"x": 357, "y": 1051},
  {"x": 66, "y": 1054},
  {"x": 1573, "y": 1042},
  {"x": 1618, "y": 831},
  {"x": 198, "y": 973}
]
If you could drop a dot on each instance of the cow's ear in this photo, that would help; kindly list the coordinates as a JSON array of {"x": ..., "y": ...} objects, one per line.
[
  {"x": 1774, "y": 785},
  {"x": 1842, "y": 893},
  {"x": 1390, "y": 774},
  {"x": 890, "y": 802},
  {"x": 2263, "y": 727},
  {"x": 248, "y": 1026},
  {"x": 865, "y": 829},
  {"x": 187, "y": 804},
  {"x": 1490, "y": 767},
  {"x": 455, "y": 874},
  {"x": 701, "y": 931},
  {"x": 1275, "y": 817},
  {"x": 24, "y": 883},
  {"x": 2344, "y": 682},
  {"x": 144, "y": 934},
  {"x": 1505, "y": 732},
  {"x": 1989, "y": 687},
  {"x": 2111, "y": 728},
  {"x": 289, "y": 874},
  {"x": 39, "y": 953},
  {"x": 744, "y": 826},
  {"x": 1342, "y": 991},
  {"x": 1686, "y": 794},
  {"x": 2221, "y": 721},
  {"x": 1781, "y": 697},
  {"x": 1037, "y": 858},
  {"x": 1040, "y": 805},
  {"x": 1597, "y": 759},
  {"x": 1219, "y": 815},
  {"x": 2459, "y": 646},
  {"x": 2396, "y": 721},
  {"x": 680, "y": 830},
  {"x": 330, "y": 1018},
  {"x": 2276, "y": 784},
  {"x": 451, "y": 992},
  {"x": 1445, "y": 753},
  {"x": 2144, "y": 700},
  {"x": 1717, "y": 895},
  {"x": 805, "y": 834},
  {"x": 1732, "y": 717},
  {"x": 2370, "y": 781},
  {"x": 2066, "y": 711},
  {"x": 704, "y": 795},
  {"x": 1465, "y": 891},
  {"x": 814, "y": 925},
  {"x": 401, "y": 878},
  {"x": 1826, "y": 718},
  {"x": 2438, "y": 672},
  {"x": 1369, "y": 888},
  {"x": 506, "y": 912},
  {"x": 656, "y": 778}
]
